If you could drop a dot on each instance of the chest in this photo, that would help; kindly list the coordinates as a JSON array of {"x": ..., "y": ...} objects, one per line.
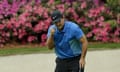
[{"x": 63, "y": 37}]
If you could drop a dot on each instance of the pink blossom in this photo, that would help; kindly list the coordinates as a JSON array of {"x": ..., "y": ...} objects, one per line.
[
  {"x": 45, "y": 14},
  {"x": 2, "y": 26},
  {"x": 102, "y": 8},
  {"x": 8, "y": 34},
  {"x": 87, "y": 24},
  {"x": 28, "y": 8},
  {"x": 39, "y": 10},
  {"x": 117, "y": 32},
  {"x": 83, "y": 5},
  {"x": 93, "y": 23},
  {"x": 104, "y": 33},
  {"x": 47, "y": 21},
  {"x": 22, "y": 33},
  {"x": 75, "y": 16},
  {"x": 17, "y": 24},
  {"x": 28, "y": 25},
  {"x": 105, "y": 39},
  {"x": 89, "y": 34},
  {"x": 43, "y": 37},
  {"x": 15, "y": 33},
  {"x": 1, "y": 16},
  {"x": 79, "y": 20},
  {"x": 96, "y": 30},
  {"x": 50, "y": 2},
  {"x": 9, "y": 26},
  {"x": 31, "y": 38},
  {"x": 61, "y": 8},
  {"x": 3, "y": 33},
  {"x": 38, "y": 27}
]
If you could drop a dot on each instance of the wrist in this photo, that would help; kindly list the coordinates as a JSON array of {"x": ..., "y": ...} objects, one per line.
[{"x": 82, "y": 57}]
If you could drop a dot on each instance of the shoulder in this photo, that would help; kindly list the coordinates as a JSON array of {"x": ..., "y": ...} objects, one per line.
[
  {"x": 71, "y": 24},
  {"x": 52, "y": 26}
]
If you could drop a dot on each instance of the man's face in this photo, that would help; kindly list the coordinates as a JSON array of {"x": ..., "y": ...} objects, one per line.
[{"x": 60, "y": 24}]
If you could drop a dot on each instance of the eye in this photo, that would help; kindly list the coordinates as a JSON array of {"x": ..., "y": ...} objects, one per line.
[{"x": 57, "y": 22}]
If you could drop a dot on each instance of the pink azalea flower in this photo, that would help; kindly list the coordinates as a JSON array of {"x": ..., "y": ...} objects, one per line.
[
  {"x": 1, "y": 17},
  {"x": 22, "y": 33},
  {"x": 43, "y": 37},
  {"x": 39, "y": 10},
  {"x": 2, "y": 26},
  {"x": 96, "y": 30},
  {"x": 31, "y": 38},
  {"x": 117, "y": 32},
  {"x": 8, "y": 34},
  {"x": 105, "y": 39},
  {"x": 45, "y": 14},
  {"x": 102, "y": 8},
  {"x": 28, "y": 8},
  {"x": 101, "y": 18},
  {"x": 79, "y": 20},
  {"x": 28, "y": 25},
  {"x": 50, "y": 2},
  {"x": 47, "y": 21},
  {"x": 3, "y": 34},
  {"x": 9, "y": 26},
  {"x": 17, "y": 25},
  {"x": 93, "y": 23},
  {"x": 61, "y": 8},
  {"x": 83, "y": 5},
  {"x": 87, "y": 24},
  {"x": 39, "y": 27},
  {"x": 15, "y": 33},
  {"x": 89, "y": 34}
]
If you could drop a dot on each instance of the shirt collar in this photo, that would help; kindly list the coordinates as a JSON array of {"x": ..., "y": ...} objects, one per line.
[{"x": 64, "y": 29}]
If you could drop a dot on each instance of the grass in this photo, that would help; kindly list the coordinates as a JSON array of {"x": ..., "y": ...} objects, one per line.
[
  {"x": 15, "y": 51},
  {"x": 103, "y": 46},
  {"x": 30, "y": 48}
]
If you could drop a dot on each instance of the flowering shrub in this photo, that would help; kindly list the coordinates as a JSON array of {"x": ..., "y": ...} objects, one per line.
[{"x": 28, "y": 20}]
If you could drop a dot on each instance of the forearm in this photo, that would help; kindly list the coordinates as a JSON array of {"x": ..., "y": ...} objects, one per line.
[
  {"x": 84, "y": 47},
  {"x": 50, "y": 42}
]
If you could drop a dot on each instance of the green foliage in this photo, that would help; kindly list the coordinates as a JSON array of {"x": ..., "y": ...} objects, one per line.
[
  {"x": 112, "y": 23},
  {"x": 114, "y": 5}
]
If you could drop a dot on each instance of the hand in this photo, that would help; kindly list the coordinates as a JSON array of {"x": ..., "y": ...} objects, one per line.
[
  {"x": 82, "y": 62},
  {"x": 52, "y": 31}
]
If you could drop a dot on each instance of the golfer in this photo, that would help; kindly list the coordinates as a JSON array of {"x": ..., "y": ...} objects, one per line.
[{"x": 69, "y": 42}]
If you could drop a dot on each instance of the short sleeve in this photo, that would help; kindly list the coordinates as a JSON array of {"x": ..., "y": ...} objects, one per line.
[
  {"x": 48, "y": 33},
  {"x": 78, "y": 33}
]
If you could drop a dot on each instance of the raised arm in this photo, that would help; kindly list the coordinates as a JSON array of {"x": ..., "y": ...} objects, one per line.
[{"x": 50, "y": 39}]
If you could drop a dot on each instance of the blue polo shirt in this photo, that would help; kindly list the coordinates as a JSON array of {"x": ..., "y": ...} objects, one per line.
[{"x": 67, "y": 41}]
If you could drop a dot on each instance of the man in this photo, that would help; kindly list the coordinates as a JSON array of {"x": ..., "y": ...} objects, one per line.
[{"x": 69, "y": 42}]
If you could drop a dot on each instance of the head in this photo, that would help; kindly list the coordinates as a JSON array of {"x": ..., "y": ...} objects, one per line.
[{"x": 58, "y": 19}]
